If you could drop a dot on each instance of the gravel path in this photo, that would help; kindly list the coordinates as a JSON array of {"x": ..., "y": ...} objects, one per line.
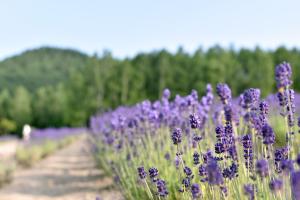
[{"x": 69, "y": 174}]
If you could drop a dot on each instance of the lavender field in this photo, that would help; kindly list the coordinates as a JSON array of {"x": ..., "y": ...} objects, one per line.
[
  {"x": 205, "y": 147},
  {"x": 149, "y": 100}
]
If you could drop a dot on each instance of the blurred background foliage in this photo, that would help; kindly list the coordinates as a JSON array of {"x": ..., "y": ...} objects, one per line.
[{"x": 64, "y": 87}]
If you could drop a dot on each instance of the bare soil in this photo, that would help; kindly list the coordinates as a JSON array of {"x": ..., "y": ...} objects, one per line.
[{"x": 69, "y": 174}]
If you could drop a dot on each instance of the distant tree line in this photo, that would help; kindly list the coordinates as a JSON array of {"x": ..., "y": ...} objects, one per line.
[{"x": 53, "y": 87}]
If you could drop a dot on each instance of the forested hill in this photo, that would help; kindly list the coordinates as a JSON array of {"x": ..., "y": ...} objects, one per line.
[
  {"x": 39, "y": 67},
  {"x": 62, "y": 87}
]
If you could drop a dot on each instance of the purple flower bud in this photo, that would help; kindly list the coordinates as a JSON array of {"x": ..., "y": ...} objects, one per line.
[
  {"x": 186, "y": 182},
  {"x": 194, "y": 94},
  {"x": 176, "y": 136},
  {"x": 153, "y": 173},
  {"x": 298, "y": 159},
  {"x": 166, "y": 93},
  {"x": 219, "y": 148},
  {"x": 196, "y": 157},
  {"x": 187, "y": 171},
  {"x": 248, "y": 153},
  {"x": 142, "y": 173},
  {"x": 283, "y": 75},
  {"x": 194, "y": 121},
  {"x": 295, "y": 185},
  {"x": 197, "y": 138},
  {"x": 167, "y": 156},
  {"x": 177, "y": 162},
  {"x": 214, "y": 174},
  {"x": 279, "y": 156},
  {"x": 196, "y": 192},
  {"x": 249, "y": 191},
  {"x": 262, "y": 168},
  {"x": 231, "y": 172},
  {"x": 264, "y": 109},
  {"x": 287, "y": 166},
  {"x": 223, "y": 92},
  {"x": 276, "y": 185},
  {"x": 220, "y": 133},
  {"x": 268, "y": 134},
  {"x": 202, "y": 170},
  {"x": 250, "y": 98},
  {"x": 161, "y": 188}
]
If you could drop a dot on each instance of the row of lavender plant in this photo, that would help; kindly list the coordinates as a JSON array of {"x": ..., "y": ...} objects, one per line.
[
  {"x": 202, "y": 148},
  {"x": 56, "y": 133}
]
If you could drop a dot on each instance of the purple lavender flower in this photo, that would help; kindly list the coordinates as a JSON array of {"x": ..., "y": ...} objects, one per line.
[
  {"x": 268, "y": 134},
  {"x": 219, "y": 148},
  {"x": 298, "y": 159},
  {"x": 197, "y": 138},
  {"x": 167, "y": 156},
  {"x": 202, "y": 170},
  {"x": 220, "y": 133},
  {"x": 282, "y": 99},
  {"x": 231, "y": 172},
  {"x": 187, "y": 171},
  {"x": 248, "y": 154},
  {"x": 276, "y": 185},
  {"x": 283, "y": 75},
  {"x": 291, "y": 108},
  {"x": 207, "y": 156},
  {"x": 161, "y": 188},
  {"x": 295, "y": 185},
  {"x": 153, "y": 173},
  {"x": 262, "y": 168},
  {"x": 249, "y": 191},
  {"x": 194, "y": 94},
  {"x": 142, "y": 173},
  {"x": 214, "y": 174},
  {"x": 186, "y": 182},
  {"x": 250, "y": 98},
  {"x": 287, "y": 166},
  {"x": 264, "y": 109},
  {"x": 196, "y": 192},
  {"x": 228, "y": 113},
  {"x": 229, "y": 141},
  {"x": 194, "y": 121},
  {"x": 177, "y": 136},
  {"x": 166, "y": 93},
  {"x": 298, "y": 123},
  {"x": 196, "y": 158},
  {"x": 279, "y": 156},
  {"x": 223, "y": 92},
  {"x": 177, "y": 162}
]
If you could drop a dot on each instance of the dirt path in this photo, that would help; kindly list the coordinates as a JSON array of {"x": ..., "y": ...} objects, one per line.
[{"x": 69, "y": 174}]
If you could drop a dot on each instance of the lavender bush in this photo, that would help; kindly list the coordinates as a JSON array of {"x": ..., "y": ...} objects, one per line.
[
  {"x": 209, "y": 147},
  {"x": 44, "y": 142}
]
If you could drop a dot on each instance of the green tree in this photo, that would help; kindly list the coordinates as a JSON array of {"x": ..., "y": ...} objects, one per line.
[{"x": 20, "y": 107}]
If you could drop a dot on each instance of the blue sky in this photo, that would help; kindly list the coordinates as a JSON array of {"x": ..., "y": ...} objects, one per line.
[{"x": 130, "y": 26}]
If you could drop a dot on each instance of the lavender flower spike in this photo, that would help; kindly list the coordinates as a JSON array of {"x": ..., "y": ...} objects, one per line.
[
  {"x": 224, "y": 92},
  {"x": 176, "y": 136},
  {"x": 142, "y": 173},
  {"x": 161, "y": 188},
  {"x": 283, "y": 75},
  {"x": 295, "y": 185},
  {"x": 262, "y": 168},
  {"x": 196, "y": 192}
]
